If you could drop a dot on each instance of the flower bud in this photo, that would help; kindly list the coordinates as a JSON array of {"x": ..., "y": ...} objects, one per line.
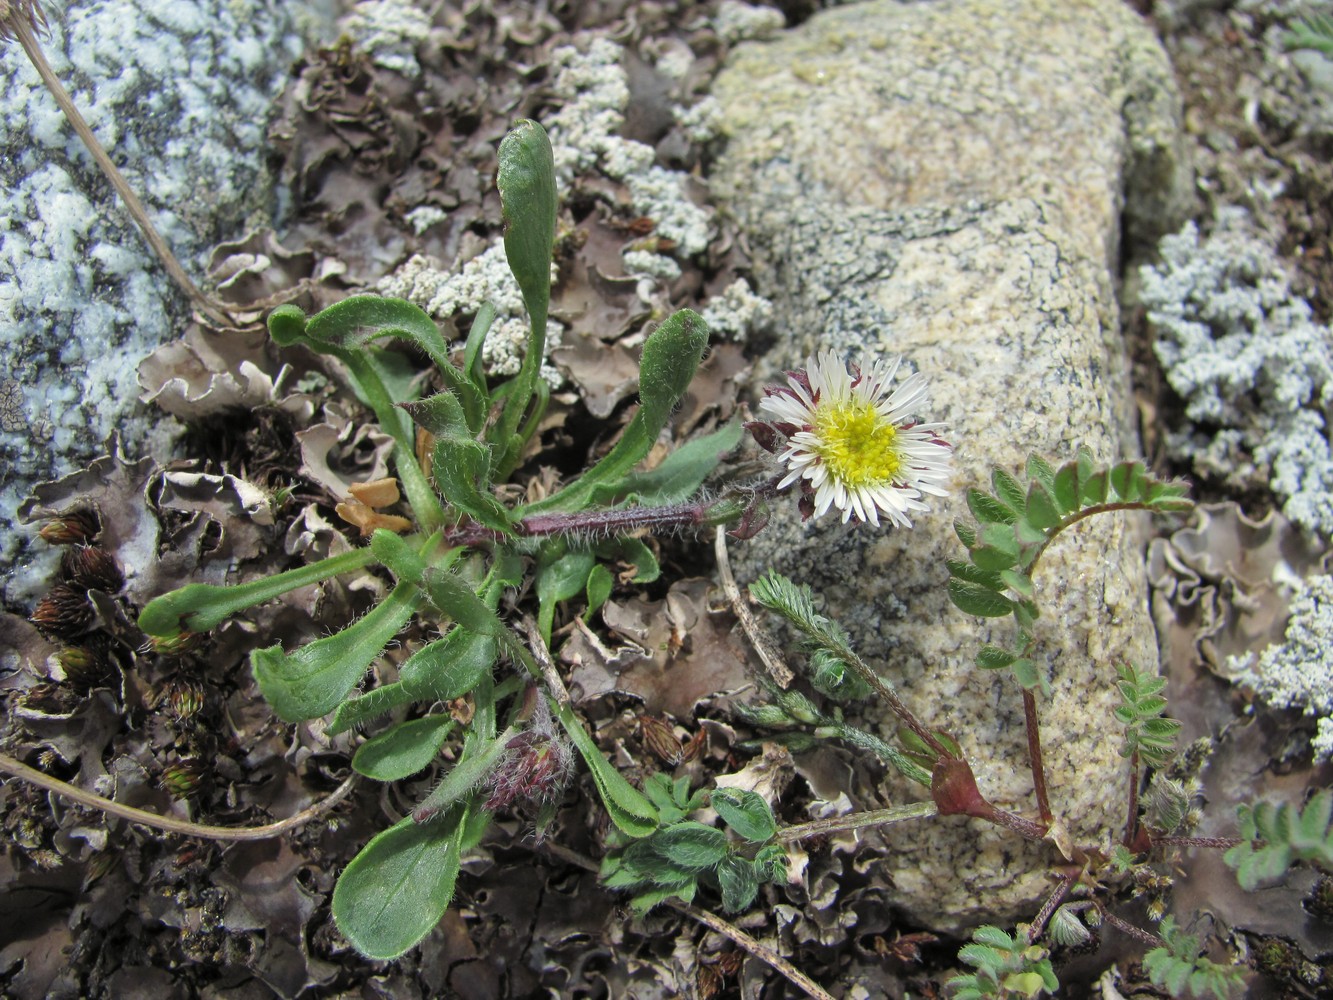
[
  {"x": 183, "y": 778},
  {"x": 536, "y": 766},
  {"x": 85, "y": 666},
  {"x": 658, "y": 737},
  {"x": 76, "y": 526}
]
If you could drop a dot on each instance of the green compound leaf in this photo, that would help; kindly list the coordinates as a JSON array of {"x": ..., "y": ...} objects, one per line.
[
  {"x": 629, "y": 810},
  {"x": 1178, "y": 967},
  {"x": 670, "y": 357},
  {"x": 313, "y": 679},
  {"x": 403, "y": 750},
  {"x": 1285, "y": 835},
  {"x": 397, "y": 888},
  {"x": 746, "y": 812},
  {"x": 691, "y": 846}
]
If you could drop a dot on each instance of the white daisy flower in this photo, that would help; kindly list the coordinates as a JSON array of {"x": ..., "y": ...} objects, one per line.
[{"x": 851, "y": 441}]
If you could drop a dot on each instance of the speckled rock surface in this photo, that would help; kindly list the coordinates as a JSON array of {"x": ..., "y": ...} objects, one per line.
[
  {"x": 953, "y": 181},
  {"x": 179, "y": 94}
]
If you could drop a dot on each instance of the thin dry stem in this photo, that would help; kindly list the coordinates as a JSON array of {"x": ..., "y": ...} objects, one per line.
[
  {"x": 170, "y": 824},
  {"x": 759, "y": 638},
  {"x": 19, "y": 23},
  {"x": 856, "y": 821},
  {"x": 715, "y": 923}
]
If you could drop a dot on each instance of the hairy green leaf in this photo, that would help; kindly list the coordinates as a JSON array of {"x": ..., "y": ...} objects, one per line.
[
  {"x": 629, "y": 810},
  {"x": 404, "y": 749},
  {"x": 975, "y": 599},
  {"x": 746, "y": 812},
  {"x": 397, "y": 888},
  {"x": 313, "y": 679}
]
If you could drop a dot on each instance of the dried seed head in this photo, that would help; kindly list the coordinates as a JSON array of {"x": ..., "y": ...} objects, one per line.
[
  {"x": 64, "y": 612},
  {"x": 14, "y": 11},
  {"x": 658, "y": 737},
  {"x": 90, "y": 568},
  {"x": 76, "y": 526}
]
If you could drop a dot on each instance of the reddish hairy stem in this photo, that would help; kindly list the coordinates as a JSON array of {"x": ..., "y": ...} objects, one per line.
[
  {"x": 1132, "y": 818},
  {"x": 1125, "y": 927},
  {"x": 1218, "y": 843},
  {"x": 1034, "y": 755},
  {"x": 1049, "y": 907}
]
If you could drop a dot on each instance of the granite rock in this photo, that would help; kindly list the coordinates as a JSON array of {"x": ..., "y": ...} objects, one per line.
[
  {"x": 956, "y": 181},
  {"x": 179, "y": 94}
]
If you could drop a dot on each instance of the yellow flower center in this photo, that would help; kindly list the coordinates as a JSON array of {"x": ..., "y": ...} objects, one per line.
[{"x": 856, "y": 443}]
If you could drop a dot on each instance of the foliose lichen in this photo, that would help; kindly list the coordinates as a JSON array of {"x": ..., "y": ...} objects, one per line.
[
  {"x": 1254, "y": 368},
  {"x": 1299, "y": 672}
]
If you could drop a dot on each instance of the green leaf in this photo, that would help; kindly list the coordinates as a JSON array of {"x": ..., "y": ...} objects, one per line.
[
  {"x": 397, "y": 888},
  {"x": 559, "y": 577},
  {"x": 739, "y": 884},
  {"x": 600, "y": 585},
  {"x": 526, "y": 180},
  {"x": 746, "y": 812},
  {"x": 358, "y": 711},
  {"x": 472, "y": 361},
  {"x": 691, "y": 845},
  {"x": 1041, "y": 507},
  {"x": 679, "y": 475},
  {"x": 994, "y": 658},
  {"x": 355, "y": 322},
  {"x": 476, "y": 764},
  {"x": 966, "y": 533},
  {"x": 645, "y": 901},
  {"x": 313, "y": 679},
  {"x": 455, "y": 597},
  {"x": 987, "y": 510},
  {"x": 770, "y": 864},
  {"x": 199, "y": 607},
  {"x": 1039, "y": 470},
  {"x": 403, "y": 750},
  {"x": 461, "y": 464},
  {"x": 634, "y": 551},
  {"x": 449, "y": 667},
  {"x": 629, "y": 810},
  {"x": 1065, "y": 489},
  {"x": 975, "y": 599},
  {"x": 972, "y": 574},
  {"x": 1009, "y": 491},
  {"x": 670, "y": 357},
  {"x": 1021, "y": 583}
]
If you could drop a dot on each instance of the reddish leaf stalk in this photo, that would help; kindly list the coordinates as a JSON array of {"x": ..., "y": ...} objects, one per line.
[
  {"x": 954, "y": 789},
  {"x": 1034, "y": 756}
]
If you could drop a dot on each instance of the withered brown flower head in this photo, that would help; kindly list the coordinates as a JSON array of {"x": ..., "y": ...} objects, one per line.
[
  {"x": 64, "y": 612},
  {"x": 90, "y": 568},
  {"x": 14, "y": 11}
]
